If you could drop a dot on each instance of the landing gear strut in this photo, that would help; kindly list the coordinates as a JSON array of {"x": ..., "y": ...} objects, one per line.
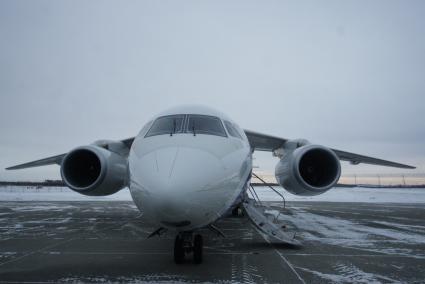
[{"x": 186, "y": 243}]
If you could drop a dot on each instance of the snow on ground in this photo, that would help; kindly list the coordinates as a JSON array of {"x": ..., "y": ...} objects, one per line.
[
  {"x": 342, "y": 232},
  {"x": 371, "y": 195},
  {"x": 355, "y": 194},
  {"x": 23, "y": 193},
  {"x": 350, "y": 274}
]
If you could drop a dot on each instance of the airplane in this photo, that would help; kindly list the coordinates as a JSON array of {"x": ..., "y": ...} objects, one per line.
[{"x": 191, "y": 165}]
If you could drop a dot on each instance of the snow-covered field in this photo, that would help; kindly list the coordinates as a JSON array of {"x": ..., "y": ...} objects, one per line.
[
  {"x": 23, "y": 193},
  {"x": 372, "y": 195},
  {"x": 356, "y": 194}
]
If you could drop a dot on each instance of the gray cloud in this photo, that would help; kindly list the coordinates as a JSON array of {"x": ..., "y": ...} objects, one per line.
[{"x": 346, "y": 74}]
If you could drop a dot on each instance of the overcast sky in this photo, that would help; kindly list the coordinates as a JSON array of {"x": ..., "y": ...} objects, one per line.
[{"x": 345, "y": 74}]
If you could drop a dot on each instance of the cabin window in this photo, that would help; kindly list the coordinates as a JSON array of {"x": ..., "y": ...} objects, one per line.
[
  {"x": 231, "y": 129},
  {"x": 204, "y": 124},
  {"x": 166, "y": 125}
]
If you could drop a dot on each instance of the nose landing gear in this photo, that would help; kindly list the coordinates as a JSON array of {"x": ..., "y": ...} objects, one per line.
[
  {"x": 178, "y": 250},
  {"x": 197, "y": 249},
  {"x": 186, "y": 243}
]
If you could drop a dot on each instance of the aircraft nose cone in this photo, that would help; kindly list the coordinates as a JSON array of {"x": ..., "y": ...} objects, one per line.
[{"x": 180, "y": 186}]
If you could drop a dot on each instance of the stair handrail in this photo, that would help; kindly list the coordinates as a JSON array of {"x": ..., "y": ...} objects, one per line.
[{"x": 266, "y": 184}]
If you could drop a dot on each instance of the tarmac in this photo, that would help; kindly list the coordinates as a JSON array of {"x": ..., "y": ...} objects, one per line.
[{"x": 99, "y": 242}]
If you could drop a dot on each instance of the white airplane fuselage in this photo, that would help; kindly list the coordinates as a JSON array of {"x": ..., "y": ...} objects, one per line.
[{"x": 187, "y": 180}]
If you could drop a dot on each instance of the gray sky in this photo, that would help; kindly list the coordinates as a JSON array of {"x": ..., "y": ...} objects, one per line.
[{"x": 346, "y": 74}]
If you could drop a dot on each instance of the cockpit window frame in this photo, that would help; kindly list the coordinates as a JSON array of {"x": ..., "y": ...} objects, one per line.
[
  {"x": 223, "y": 132},
  {"x": 185, "y": 126},
  {"x": 146, "y": 128},
  {"x": 181, "y": 130},
  {"x": 232, "y": 130}
]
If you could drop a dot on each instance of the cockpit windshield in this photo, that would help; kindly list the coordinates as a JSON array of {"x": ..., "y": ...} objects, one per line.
[
  {"x": 204, "y": 124},
  {"x": 232, "y": 129},
  {"x": 187, "y": 123},
  {"x": 167, "y": 125}
]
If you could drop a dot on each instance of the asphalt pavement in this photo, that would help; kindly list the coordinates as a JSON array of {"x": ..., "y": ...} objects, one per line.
[{"x": 99, "y": 242}]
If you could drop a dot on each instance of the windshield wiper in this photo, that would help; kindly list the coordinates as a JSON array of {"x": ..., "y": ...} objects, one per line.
[
  {"x": 193, "y": 129},
  {"x": 174, "y": 127}
]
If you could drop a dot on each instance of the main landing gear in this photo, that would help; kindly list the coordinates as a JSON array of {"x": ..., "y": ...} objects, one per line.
[{"x": 186, "y": 243}]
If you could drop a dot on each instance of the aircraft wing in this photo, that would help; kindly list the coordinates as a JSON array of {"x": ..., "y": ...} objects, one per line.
[
  {"x": 58, "y": 158},
  {"x": 43, "y": 162},
  {"x": 264, "y": 142},
  {"x": 258, "y": 141},
  {"x": 128, "y": 142}
]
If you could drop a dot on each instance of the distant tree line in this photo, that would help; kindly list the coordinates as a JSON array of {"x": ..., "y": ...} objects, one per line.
[
  {"x": 60, "y": 183},
  {"x": 47, "y": 182}
]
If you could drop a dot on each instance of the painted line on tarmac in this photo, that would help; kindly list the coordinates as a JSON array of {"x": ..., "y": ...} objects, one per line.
[{"x": 282, "y": 257}]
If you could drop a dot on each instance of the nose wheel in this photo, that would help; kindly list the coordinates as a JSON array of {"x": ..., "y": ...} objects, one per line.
[
  {"x": 178, "y": 250},
  {"x": 197, "y": 249},
  {"x": 186, "y": 243}
]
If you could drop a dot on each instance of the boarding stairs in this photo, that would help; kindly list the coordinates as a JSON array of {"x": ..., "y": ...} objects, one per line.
[{"x": 272, "y": 225}]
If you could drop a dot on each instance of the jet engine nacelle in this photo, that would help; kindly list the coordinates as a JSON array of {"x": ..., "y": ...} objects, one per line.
[
  {"x": 308, "y": 170},
  {"x": 94, "y": 171}
]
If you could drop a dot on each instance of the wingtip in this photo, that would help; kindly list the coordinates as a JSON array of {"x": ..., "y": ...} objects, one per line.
[
  {"x": 407, "y": 167},
  {"x": 10, "y": 168}
]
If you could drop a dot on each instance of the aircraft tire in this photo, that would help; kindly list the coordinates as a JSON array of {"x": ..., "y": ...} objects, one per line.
[
  {"x": 178, "y": 250},
  {"x": 197, "y": 249}
]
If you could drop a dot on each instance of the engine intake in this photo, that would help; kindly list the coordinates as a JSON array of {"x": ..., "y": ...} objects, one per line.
[
  {"x": 94, "y": 171},
  {"x": 308, "y": 170}
]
